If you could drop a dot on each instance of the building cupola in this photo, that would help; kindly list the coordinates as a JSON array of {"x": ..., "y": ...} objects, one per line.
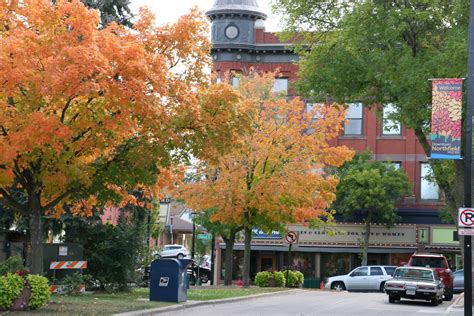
[{"x": 233, "y": 23}]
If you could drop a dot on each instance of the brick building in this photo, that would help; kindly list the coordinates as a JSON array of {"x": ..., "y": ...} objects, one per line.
[{"x": 239, "y": 42}]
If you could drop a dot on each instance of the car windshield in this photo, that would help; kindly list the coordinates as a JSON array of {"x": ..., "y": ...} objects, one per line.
[
  {"x": 428, "y": 262},
  {"x": 406, "y": 273}
]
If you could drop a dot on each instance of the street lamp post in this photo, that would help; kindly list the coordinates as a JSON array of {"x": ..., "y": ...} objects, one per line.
[
  {"x": 193, "y": 246},
  {"x": 468, "y": 163}
]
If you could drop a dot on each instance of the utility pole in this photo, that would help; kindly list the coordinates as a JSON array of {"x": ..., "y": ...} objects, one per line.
[{"x": 468, "y": 163}]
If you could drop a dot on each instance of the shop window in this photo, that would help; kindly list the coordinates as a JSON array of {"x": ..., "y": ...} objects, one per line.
[
  {"x": 428, "y": 189},
  {"x": 353, "y": 123},
  {"x": 334, "y": 264},
  {"x": 303, "y": 262},
  {"x": 389, "y": 125}
]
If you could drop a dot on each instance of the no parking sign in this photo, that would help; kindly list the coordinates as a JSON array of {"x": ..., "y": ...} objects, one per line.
[{"x": 466, "y": 217}]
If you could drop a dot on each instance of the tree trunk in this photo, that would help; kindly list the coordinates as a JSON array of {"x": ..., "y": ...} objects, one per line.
[
  {"x": 35, "y": 254},
  {"x": 246, "y": 268},
  {"x": 229, "y": 251},
  {"x": 365, "y": 250}
]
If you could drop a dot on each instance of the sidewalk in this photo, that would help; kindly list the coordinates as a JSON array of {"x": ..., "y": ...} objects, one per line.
[
  {"x": 190, "y": 304},
  {"x": 457, "y": 307}
]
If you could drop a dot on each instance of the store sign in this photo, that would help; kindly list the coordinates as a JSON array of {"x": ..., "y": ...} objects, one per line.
[
  {"x": 260, "y": 234},
  {"x": 354, "y": 233}
]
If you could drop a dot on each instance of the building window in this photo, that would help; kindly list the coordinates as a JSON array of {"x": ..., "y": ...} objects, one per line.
[
  {"x": 428, "y": 189},
  {"x": 353, "y": 123},
  {"x": 395, "y": 164},
  {"x": 235, "y": 82},
  {"x": 280, "y": 85},
  {"x": 389, "y": 125}
]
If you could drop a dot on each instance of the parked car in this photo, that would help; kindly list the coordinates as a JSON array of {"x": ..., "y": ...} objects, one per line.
[
  {"x": 364, "y": 278},
  {"x": 170, "y": 251},
  {"x": 415, "y": 283},
  {"x": 458, "y": 282},
  {"x": 440, "y": 264}
]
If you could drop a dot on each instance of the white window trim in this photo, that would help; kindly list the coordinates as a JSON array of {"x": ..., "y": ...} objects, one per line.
[{"x": 348, "y": 119}]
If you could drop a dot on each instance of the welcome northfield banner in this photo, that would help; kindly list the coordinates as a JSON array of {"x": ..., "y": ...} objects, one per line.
[{"x": 446, "y": 119}]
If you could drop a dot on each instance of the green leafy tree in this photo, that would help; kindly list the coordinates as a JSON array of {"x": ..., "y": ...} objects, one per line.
[
  {"x": 380, "y": 52},
  {"x": 228, "y": 233},
  {"x": 112, "y": 11},
  {"x": 368, "y": 191}
]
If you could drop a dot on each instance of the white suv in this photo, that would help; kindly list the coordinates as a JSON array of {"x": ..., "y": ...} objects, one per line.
[
  {"x": 365, "y": 278},
  {"x": 178, "y": 251}
]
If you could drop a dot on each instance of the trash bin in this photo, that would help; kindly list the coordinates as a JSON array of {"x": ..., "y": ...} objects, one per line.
[{"x": 168, "y": 280}]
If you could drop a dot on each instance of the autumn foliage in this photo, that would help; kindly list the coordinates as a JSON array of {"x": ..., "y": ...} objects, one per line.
[
  {"x": 274, "y": 173},
  {"x": 276, "y": 167},
  {"x": 88, "y": 114}
]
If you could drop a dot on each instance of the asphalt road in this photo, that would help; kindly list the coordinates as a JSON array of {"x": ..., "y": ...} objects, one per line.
[{"x": 321, "y": 303}]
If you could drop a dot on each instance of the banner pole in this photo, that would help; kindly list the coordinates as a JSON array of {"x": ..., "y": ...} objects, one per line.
[{"x": 468, "y": 163}]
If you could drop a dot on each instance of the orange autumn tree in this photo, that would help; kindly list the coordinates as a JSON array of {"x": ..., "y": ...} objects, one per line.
[
  {"x": 274, "y": 174},
  {"x": 86, "y": 114}
]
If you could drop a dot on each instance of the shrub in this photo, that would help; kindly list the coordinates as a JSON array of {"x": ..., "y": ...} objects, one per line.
[
  {"x": 295, "y": 278},
  {"x": 11, "y": 265},
  {"x": 262, "y": 278},
  {"x": 71, "y": 283},
  {"x": 300, "y": 277},
  {"x": 11, "y": 286},
  {"x": 40, "y": 292},
  {"x": 279, "y": 279}
]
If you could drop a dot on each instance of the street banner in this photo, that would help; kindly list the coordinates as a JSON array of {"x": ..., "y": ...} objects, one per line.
[{"x": 446, "y": 118}]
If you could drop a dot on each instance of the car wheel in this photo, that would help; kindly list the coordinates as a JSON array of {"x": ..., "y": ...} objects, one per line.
[
  {"x": 448, "y": 295},
  {"x": 180, "y": 256},
  {"x": 338, "y": 286},
  {"x": 391, "y": 299},
  {"x": 382, "y": 287},
  {"x": 434, "y": 302}
]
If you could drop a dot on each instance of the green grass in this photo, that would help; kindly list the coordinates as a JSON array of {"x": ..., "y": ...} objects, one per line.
[{"x": 107, "y": 304}]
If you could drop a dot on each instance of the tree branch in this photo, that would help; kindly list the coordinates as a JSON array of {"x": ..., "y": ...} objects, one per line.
[
  {"x": 66, "y": 106},
  {"x": 56, "y": 201},
  {"x": 9, "y": 201}
]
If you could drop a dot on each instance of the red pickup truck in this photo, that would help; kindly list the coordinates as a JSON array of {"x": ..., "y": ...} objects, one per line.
[{"x": 438, "y": 263}]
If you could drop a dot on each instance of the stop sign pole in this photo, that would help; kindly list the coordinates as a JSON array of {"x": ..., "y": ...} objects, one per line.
[{"x": 468, "y": 163}]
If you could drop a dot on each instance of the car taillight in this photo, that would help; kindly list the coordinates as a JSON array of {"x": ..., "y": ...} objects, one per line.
[{"x": 396, "y": 286}]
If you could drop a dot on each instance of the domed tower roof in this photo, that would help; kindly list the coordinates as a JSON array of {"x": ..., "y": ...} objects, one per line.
[{"x": 223, "y": 7}]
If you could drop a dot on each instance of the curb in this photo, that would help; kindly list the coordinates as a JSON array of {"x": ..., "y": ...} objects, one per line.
[
  {"x": 457, "y": 302},
  {"x": 200, "y": 303}
]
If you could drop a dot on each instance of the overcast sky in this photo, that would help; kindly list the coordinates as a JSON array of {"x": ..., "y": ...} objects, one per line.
[{"x": 170, "y": 10}]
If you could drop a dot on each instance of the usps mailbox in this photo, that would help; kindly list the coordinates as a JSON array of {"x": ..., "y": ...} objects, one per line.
[{"x": 168, "y": 280}]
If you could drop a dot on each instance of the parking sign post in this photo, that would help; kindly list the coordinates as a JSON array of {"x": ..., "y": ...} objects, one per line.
[{"x": 291, "y": 237}]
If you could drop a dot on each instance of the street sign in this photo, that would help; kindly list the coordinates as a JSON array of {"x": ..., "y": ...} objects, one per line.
[
  {"x": 466, "y": 232},
  {"x": 204, "y": 236},
  {"x": 291, "y": 237},
  {"x": 466, "y": 217}
]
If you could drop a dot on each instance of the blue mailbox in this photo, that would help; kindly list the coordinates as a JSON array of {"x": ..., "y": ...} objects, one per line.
[{"x": 168, "y": 280}]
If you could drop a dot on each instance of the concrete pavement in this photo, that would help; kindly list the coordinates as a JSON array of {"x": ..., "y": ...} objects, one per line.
[{"x": 324, "y": 301}]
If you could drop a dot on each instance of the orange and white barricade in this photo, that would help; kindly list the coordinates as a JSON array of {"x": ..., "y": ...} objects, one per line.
[{"x": 61, "y": 265}]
